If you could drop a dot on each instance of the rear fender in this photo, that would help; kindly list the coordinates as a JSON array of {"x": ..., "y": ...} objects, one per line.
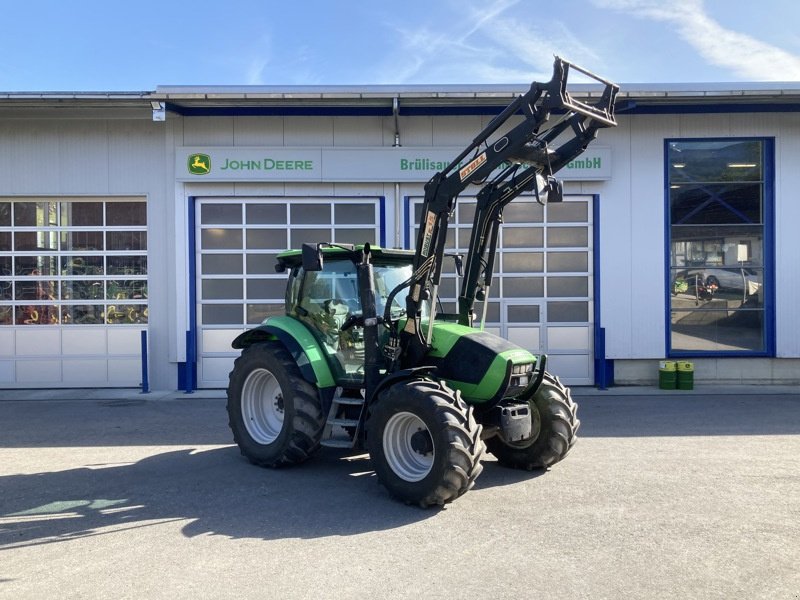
[{"x": 300, "y": 343}]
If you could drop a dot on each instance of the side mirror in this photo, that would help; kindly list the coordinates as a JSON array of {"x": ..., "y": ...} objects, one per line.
[
  {"x": 312, "y": 258},
  {"x": 548, "y": 190}
]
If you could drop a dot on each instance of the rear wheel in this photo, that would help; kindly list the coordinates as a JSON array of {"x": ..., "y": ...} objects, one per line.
[
  {"x": 555, "y": 425},
  {"x": 276, "y": 416},
  {"x": 424, "y": 442}
]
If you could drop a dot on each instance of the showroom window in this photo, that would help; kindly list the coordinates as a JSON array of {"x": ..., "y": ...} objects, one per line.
[
  {"x": 719, "y": 211},
  {"x": 73, "y": 261}
]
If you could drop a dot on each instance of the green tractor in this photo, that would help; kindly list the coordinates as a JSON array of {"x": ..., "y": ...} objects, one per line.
[{"x": 363, "y": 359}]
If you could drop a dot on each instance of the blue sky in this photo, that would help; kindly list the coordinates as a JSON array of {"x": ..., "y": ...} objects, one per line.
[{"x": 129, "y": 46}]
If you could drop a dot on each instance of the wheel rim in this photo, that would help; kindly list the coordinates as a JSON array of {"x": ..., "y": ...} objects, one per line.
[
  {"x": 262, "y": 406},
  {"x": 401, "y": 447}
]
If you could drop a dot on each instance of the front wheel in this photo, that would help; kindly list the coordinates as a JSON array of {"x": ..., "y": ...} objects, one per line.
[
  {"x": 555, "y": 425},
  {"x": 424, "y": 442},
  {"x": 276, "y": 416}
]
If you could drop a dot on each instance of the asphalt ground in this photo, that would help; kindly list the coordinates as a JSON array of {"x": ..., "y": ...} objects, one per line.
[{"x": 113, "y": 494}]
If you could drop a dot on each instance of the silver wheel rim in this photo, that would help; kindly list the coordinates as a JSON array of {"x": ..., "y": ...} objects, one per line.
[
  {"x": 406, "y": 462},
  {"x": 262, "y": 406}
]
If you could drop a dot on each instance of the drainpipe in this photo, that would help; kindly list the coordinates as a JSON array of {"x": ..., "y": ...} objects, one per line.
[{"x": 398, "y": 233}]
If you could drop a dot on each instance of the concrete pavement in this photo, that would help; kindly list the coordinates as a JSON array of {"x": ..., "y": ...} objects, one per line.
[{"x": 666, "y": 495}]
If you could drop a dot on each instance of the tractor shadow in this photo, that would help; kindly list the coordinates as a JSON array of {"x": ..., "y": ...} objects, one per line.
[
  {"x": 213, "y": 491},
  {"x": 209, "y": 492}
]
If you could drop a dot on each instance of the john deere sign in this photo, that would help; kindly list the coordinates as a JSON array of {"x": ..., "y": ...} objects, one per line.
[
  {"x": 382, "y": 164},
  {"x": 199, "y": 164}
]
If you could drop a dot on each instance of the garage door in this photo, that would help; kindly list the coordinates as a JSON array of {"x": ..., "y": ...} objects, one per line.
[
  {"x": 73, "y": 291},
  {"x": 237, "y": 240},
  {"x": 540, "y": 298}
]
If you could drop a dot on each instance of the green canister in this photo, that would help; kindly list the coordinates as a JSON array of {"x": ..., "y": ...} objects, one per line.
[{"x": 667, "y": 375}]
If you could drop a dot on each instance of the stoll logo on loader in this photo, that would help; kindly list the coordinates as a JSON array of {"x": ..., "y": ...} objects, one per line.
[{"x": 199, "y": 164}]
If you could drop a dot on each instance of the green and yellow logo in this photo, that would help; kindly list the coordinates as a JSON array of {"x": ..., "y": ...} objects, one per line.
[{"x": 199, "y": 164}]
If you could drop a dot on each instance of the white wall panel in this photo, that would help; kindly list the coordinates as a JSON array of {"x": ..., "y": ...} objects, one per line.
[
  {"x": 7, "y": 347},
  {"x": 208, "y": 131},
  {"x": 34, "y": 373},
  {"x": 7, "y": 371},
  {"x": 83, "y": 341},
  {"x": 35, "y": 341},
  {"x": 124, "y": 341},
  {"x": 455, "y": 131},
  {"x": 360, "y": 131},
  {"x": 787, "y": 243},
  {"x": 85, "y": 371},
  {"x": 258, "y": 131},
  {"x": 83, "y": 157},
  {"x": 308, "y": 131}
]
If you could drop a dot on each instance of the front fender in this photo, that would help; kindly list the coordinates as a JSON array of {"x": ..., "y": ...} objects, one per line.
[{"x": 300, "y": 343}]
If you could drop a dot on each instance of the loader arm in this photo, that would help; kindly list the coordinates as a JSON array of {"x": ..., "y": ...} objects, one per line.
[{"x": 527, "y": 156}]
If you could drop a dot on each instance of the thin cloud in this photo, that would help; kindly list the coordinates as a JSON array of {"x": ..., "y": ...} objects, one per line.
[
  {"x": 486, "y": 46},
  {"x": 742, "y": 54}
]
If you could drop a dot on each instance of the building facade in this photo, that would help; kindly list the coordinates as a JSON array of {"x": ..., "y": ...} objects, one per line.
[{"x": 162, "y": 212}]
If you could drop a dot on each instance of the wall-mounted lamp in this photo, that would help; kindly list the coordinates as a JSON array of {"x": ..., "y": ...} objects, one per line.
[{"x": 159, "y": 111}]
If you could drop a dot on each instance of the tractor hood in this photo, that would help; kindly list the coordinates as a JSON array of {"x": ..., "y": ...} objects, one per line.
[{"x": 485, "y": 367}]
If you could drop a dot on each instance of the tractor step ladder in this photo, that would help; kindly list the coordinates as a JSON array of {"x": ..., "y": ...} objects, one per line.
[{"x": 336, "y": 434}]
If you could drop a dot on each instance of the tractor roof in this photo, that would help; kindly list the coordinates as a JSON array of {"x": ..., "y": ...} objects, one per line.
[{"x": 292, "y": 258}]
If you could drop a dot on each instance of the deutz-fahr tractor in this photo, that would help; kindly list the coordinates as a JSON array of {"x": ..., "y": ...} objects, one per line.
[{"x": 364, "y": 358}]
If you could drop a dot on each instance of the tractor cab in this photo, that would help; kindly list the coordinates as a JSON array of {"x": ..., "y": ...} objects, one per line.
[{"x": 325, "y": 297}]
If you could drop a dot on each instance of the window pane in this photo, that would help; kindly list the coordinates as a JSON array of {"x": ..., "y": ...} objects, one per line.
[
  {"x": 523, "y": 212},
  {"x": 35, "y": 265},
  {"x": 717, "y": 330},
  {"x": 221, "y": 264},
  {"x": 83, "y": 314},
  {"x": 126, "y": 213},
  {"x": 523, "y": 262},
  {"x": 347, "y": 214},
  {"x": 129, "y": 289},
  {"x": 81, "y": 265},
  {"x": 567, "y": 312},
  {"x": 5, "y": 214},
  {"x": 126, "y": 314},
  {"x": 82, "y": 290},
  {"x": 35, "y": 240},
  {"x": 221, "y": 214},
  {"x": 35, "y": 214},
  {"x": 523, "y": 314},
  {"x": 522, "y": 237},
  {"x": 221, "y": 239},
  {"x": 222, "y": 289},
  {"x": 567, "y": 237},
  {"x": 523, "y": 287},
  {"x": 222, "y": 314},
  {"x": 359, "y": 236},
  {"x": 126, "y": 240},
  {"x": 266, "y": 288},
  {"x": 256, "y": 313},
  {"x": 697, "y": 204},
  {"x": 715, "y": 161},
  {"x": 274, "y": 239},
  {"x": 258, "y": 264},
  {"x": 567, "y": 286},
  {"x": 82, "y": 214},
  {"x": 37, "y": 315},
  {"x": 36, "y": 290},
  {"x": 127, "y": 265},
  {"x": 5, "y": 241},
  {"x": 82, "y": 240},
  {"x": 266, "y": 214},
  {"x": 310, "y": 213},
  {"x": 309, "y": 236},
  {"x": 568, "y": 212},
  {"x": 567, "y": 262},
  {"x": 6, "y": 315}
]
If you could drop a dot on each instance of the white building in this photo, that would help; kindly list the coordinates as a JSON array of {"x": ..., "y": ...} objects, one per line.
[{"x": 675, "y": 240}]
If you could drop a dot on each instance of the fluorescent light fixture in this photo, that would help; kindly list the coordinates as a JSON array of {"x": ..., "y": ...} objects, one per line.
[
  {"x": 741, "y": 165},
  {"x": 678, "y": 165}
]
